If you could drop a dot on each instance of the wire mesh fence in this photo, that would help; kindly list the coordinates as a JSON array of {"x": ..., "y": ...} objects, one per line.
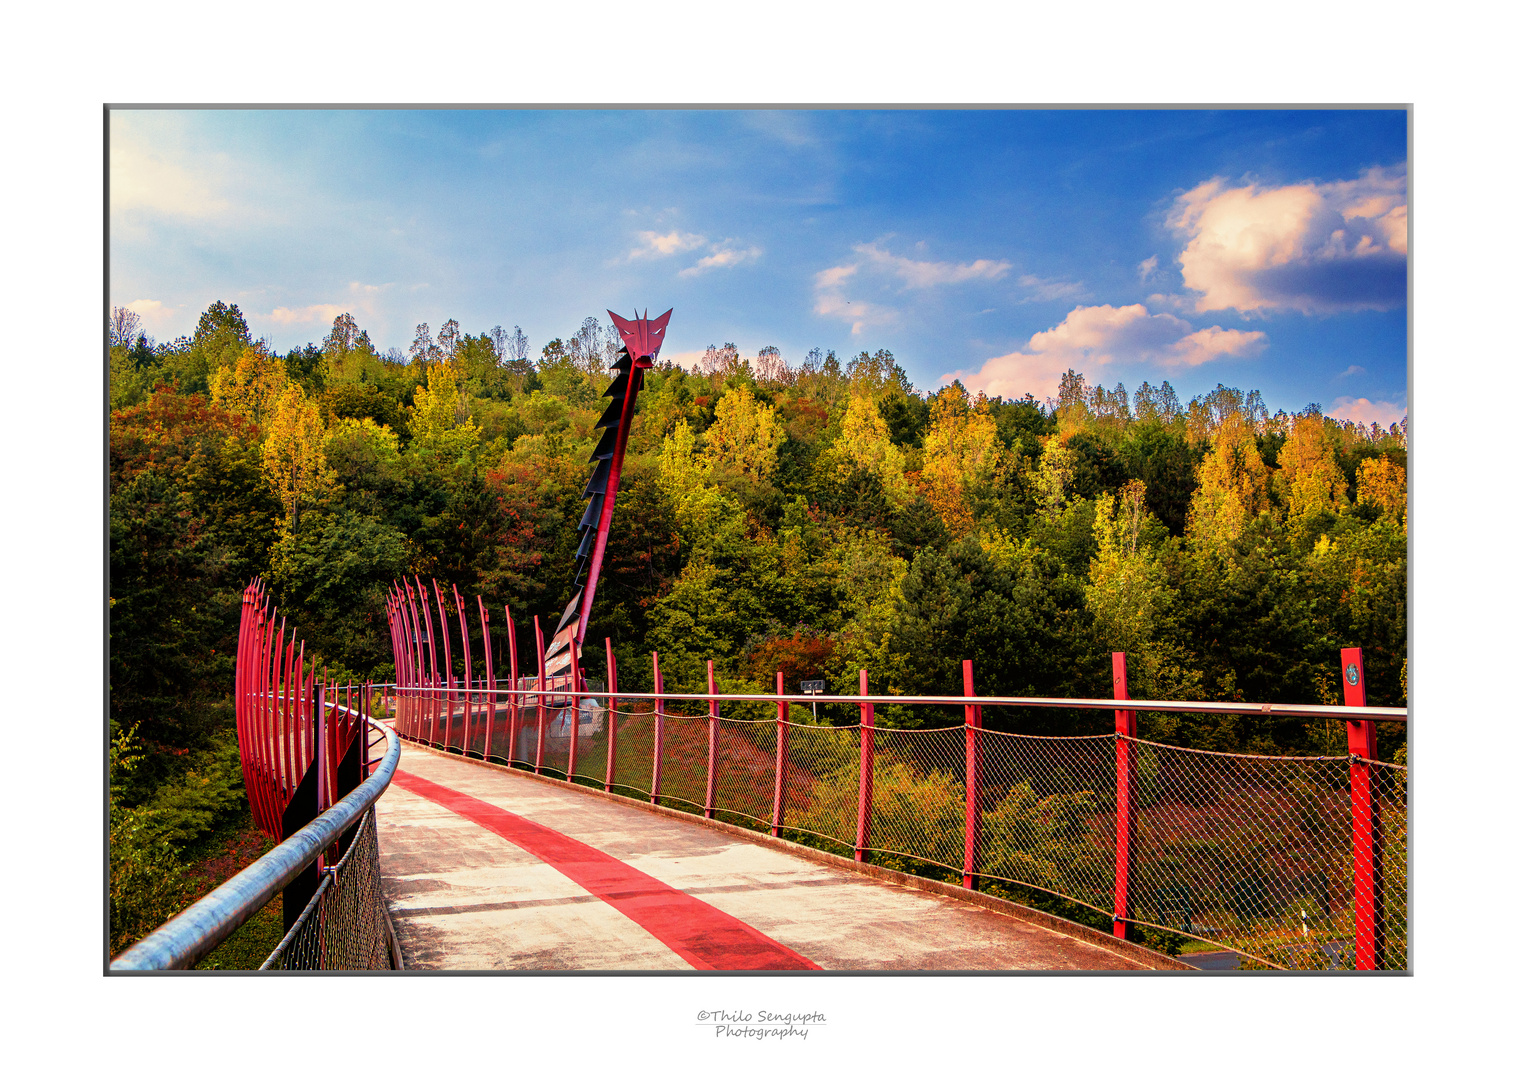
[
  {"x": 343, "y": 927},
  {"x": 1251, "y": 853}
]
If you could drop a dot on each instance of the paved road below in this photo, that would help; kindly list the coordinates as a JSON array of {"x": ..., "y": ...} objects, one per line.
[{"x": 486, "y": 869}]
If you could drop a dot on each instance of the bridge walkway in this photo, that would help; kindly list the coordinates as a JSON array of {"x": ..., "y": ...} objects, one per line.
[{"x": 490, "y": 868}]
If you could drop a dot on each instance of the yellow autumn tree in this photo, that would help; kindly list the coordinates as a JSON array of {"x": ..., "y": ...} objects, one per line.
[
  {"x": 864, "y": 443},
  {"x": 1053, "y": 476},
  {"x": 1232, "y": 487},
  {"x": 1381, "y": 482},
  {"x": 746, "y": 436},
  {"x": 961, "y": 451},
  {"x": 1309, "y": 476},
  {"x": 251, "y": 387},
  {"x": 1127, "y": 590},
  {"x": 294, "y": 460},
  {"x": 440, "y": 421}
]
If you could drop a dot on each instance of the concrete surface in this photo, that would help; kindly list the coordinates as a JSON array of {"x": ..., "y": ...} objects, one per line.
[{"x": 489, "y": 869}]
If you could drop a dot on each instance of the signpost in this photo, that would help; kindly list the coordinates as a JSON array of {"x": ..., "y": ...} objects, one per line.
[{"x": 813, "y": 687}]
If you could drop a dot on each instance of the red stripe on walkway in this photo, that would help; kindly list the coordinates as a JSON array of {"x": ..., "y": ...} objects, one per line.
[{"x": 703, "y": 935}]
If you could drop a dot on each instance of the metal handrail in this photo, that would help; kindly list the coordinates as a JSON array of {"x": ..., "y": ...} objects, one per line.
[
  {"x": 196, "y": 931},
  {"x": 1235, "y": 708}
]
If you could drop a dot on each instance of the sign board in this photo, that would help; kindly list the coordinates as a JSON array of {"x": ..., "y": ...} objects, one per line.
[{"x": 813, "y": 686}]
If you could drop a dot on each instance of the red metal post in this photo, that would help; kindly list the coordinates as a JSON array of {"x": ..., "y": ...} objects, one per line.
[
  {"x": 463, "y": 629},
  {"x": 484, "y": 629},
  {"x": 781, "y": 752},
  {"x": 971, "y": 781},
  {"x": 542, "y": 695},
  {"x": 610, "y": 716},
  {"x": 1369, "y": 908},
  {"x": 658, "y": 730},
  {"x": 574, "y": 709},
  {"x": 513, "y": 714},
  {"x": 432, "y": 654},
  {"x": 712, "y": 737},
  {"x": 1127, "y": 728},
  {"x": 447, "y": 652},
  {"x": 866, "y": 769}
]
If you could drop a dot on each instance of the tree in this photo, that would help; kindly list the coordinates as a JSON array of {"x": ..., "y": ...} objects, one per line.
[
  {"x": 961, "y": 452},
  {"x": 423, "y": 349},
  {"x": 294, "y": 460},
  {"x": 1232, "y": 485},
  {"x": 125, "y": 325},
  {"x": 252, "y": 387},
  {"x": 1309, "y": 472},
  {"x": 440, "y": 422},
  {"x": 770, "y": 367},
  {"x": 1381, "y": 482},
  {"x": 746, "y": 436},
  {"x": 863, "y": 443},
  {"x": 447, "y": 339}
]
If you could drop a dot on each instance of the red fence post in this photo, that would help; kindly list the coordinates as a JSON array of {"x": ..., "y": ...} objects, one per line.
[
  {"x": 513, "y": 708},
  {"x": 781, "y": 746},
  {"x": 1127, "y": 728},
  {"x": 542, "y": 695},
  {"x": 1369, "y": 909},
  {"x": 866, "y": 769},
  {"x": 712, "y": 737},
  {"x": 463, "y": 629},
  {"x": 574, "y": 705},
  {"x": 447, "y": 652},
  {"x": 658, "y": 731},
  {"x": 971, "y": 780},
  {"x": 484, "y": 629},
  {"x": 610, "y": 716}
]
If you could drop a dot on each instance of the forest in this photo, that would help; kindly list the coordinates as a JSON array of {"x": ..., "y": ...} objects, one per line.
[{"x": 816, "y": 516}]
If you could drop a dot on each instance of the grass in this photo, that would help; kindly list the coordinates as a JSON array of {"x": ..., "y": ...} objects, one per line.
[{"x": 216, "y": 858}]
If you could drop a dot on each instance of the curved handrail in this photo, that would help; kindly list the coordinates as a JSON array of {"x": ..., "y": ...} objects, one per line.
[{"x": 194, "y": 932}]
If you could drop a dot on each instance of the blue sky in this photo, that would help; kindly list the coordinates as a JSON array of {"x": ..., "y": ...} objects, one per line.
[{"x": 1262, "y": 249}]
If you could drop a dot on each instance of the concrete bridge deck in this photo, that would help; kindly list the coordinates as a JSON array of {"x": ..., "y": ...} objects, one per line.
[{"x": 490, "y": 868}]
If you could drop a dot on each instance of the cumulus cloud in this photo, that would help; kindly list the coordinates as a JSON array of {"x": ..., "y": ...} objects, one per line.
[
  {"x": 655, "y": 245},
  {"x": 1308, "y": 247},
  {"x": 1365, "y": 411},
  {"x": 1090, "y": 338},
  {"x": 1147, "y": 267},
  {"x": 723, "y": 255},
  {"x": 1352, "y": 369}
]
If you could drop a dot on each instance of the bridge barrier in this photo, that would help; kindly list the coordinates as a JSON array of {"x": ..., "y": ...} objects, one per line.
[{"x": 1290, "y": 861}]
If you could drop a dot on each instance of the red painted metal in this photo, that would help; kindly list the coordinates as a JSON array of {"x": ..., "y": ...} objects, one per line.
[
  {"x": 1127, "y": 728},
  {"x": 971, "y": 781},
  {"x": 713, "y": 734},
  {"x": 463, "y": 630},
  {"x": 1369, "y": 907},
  {"x": 432, "y": 655},
  {"x": 484, "y": 630},
  {"x": 542, "y": 695},
  {"x": 658, "y": 732},
  {"x": 642, "y": 339},
  {"x": 447, "y": 652},
  {"x": 574, "y": 711},
  {"x": 610, "y": 716},
  {"x": 866, "y": 770},
  {"x": 513, "y": 715},
  {"x": 781, "y": 752}
]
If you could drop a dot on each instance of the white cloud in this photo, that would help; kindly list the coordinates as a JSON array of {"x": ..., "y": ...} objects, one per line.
[
  {"x": 145, "y": 176},
  {"x": 1090, "y": 338},
  {"x": 657, "y": 245},
  {"x": 1365, "y": 411},
  {"x": 1147, "y": 267},
  {"x": 721, "y": 257},
  {"x": 1352, "y": 369},
  {"x": 1308, "y": 247},
  {"x": 918, "y": 274},
  {"x": 1051, "y": 289},
  {"x": 156, "y": 316},
  {"x": 311, "y": 313}
]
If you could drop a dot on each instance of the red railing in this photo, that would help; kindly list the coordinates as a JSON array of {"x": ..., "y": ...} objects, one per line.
[{"x": 1289, "y": 861}]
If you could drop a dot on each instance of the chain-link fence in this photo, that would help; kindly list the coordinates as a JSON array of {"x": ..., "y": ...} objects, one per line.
[
  {"x": 1273, "y": 857},
  {"x": 343, "y": 928}
]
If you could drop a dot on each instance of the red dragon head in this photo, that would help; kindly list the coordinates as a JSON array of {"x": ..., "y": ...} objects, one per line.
[{"x": 641, "y": 335}]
